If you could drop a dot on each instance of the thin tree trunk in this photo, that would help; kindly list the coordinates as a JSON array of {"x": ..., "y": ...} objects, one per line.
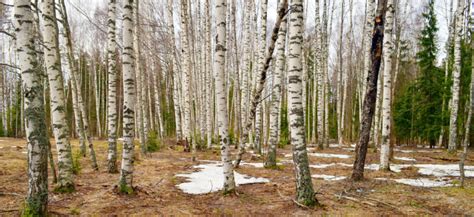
[
  {"x": 58, "y": 103},
  {"x": 276, "y": 95},
  {"x": 262, "y": 75},
  {"x": 467, "y": 134},
  {"x": 112, "y": 88},
  {"x": 453, "y": 122},
  {"x": 369, "y": 101},
  {"x": 387, "y": 87},
  {"x": 186, "y": 81},
  {"x": 126, "y": 172}
]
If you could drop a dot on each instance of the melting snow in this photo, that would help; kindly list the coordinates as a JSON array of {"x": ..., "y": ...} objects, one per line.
[
  {"x": 210, "y": 178},
  {"x": 405, "y": 158},
  {"x": 325, "y": 155},
  {"x": 441, "y": 170},
  {"x": 328, "y": 177},
  {"x": 343, "y": 156},
  {"x": 424, "y": 182}
]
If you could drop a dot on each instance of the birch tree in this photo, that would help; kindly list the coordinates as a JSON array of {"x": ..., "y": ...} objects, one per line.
[
  {"x": 35, "y": 123},
  {"x": 186, "y": 65},
  {"x": 126, "y": 172},
  {"x": 388, "y": 47},
  {"x": 304, "y": 185},
  {"x": 470, "y": 105},
  {"x": 453, "y": 121},
  {"x": 112, "y": 88},
  {"x": 221, "y": 95},
  {"x": 276, "y": 95},
  {"x": 58, "y": 103}
]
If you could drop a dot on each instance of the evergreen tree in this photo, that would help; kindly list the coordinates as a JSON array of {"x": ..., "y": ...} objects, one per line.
[{"x": 418, "y": 110}]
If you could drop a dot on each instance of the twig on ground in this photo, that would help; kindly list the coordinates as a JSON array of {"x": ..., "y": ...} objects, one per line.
[{"x": 10, "y": 194}]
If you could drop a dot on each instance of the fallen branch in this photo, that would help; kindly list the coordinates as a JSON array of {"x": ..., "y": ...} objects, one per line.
[
  {"x": 354, "y": 199},
  {"x": 10, "y": 194},
  {"x": 9, "y": 210}
]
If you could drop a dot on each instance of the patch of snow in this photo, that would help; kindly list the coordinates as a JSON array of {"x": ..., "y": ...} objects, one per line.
[
  {"x": 424, "y": 182},
  {"x": 322, "y": 166},
  {"x": 405, "y": 158},
  {"x": 442, "y": 170},
  {"x": 210, "y": 178},
  {"x": 334, "y": 145},
  {"x": 325, "y": 155},
  {"x": 353, "y": 145},
  {"x": 257, "y": 165},
  {"x": 24, "y": 152},
  {"x": 405, "y": 151},
  {"x": 328, "y": 177}
]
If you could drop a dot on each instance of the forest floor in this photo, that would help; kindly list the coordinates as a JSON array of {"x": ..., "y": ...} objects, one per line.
[{"x": 157, "y": 192}]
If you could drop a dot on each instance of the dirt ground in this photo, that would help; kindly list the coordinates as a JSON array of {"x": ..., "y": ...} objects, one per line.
[{"x": 157, "y": 194}]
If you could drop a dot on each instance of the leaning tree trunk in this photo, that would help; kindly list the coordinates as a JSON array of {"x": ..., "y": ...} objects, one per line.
[
  {"x": 276, "y": 95},
  {"x": 126, "y": 172},
  {"x": 453, "y": 121},
  {"x": 112, "y": 88},
  {"x": 369, "y": 27},
  {"x": 387, "y": 87},
  {"x": 58, "y": 102},
  {"x": 262, "y": 77},
  {"x": 369, "y": 101},
  {"x": 304, "y": 185},
  {"x": 35, "y": 124},
  {"x": 221, "y": 98},
  {"x": 79, "y": 106}
]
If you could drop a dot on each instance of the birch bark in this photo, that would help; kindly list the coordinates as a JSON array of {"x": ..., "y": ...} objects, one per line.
[
  {"x": 58, "y": 103},
  {"x": 126, "y": 172},
  {"x": 388, "y": 47},
  {"x": 35, "y": 124},
  {"x": 453, "y": 121},
  {"x": 304, "y": 185}
]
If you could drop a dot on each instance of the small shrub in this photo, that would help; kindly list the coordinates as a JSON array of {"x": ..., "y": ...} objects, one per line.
[
  {"x": 153, "y": 144},
  {"x": 76, "y": 164}
]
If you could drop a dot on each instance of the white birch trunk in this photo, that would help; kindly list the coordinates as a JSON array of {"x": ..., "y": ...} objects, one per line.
[
  {"x": 453, "y": 122},
  {"x": 186, "y": 69},
  {"x": 126, "y": 172},
  {"x": 304, "y": 185},
  {"x": 388, "y": 47},
  {"x": 112, "y": 88},
  {"x": 221, "y": 97},
  {"x": 276, "y": 95},
  {"x": 35, "y": 124},
  {"x": 58, "y": 103},
  {"x": 209, "y": 77}
]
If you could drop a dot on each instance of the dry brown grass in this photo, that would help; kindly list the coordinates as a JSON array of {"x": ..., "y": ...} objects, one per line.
[{"x": 156, "y": 193}]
